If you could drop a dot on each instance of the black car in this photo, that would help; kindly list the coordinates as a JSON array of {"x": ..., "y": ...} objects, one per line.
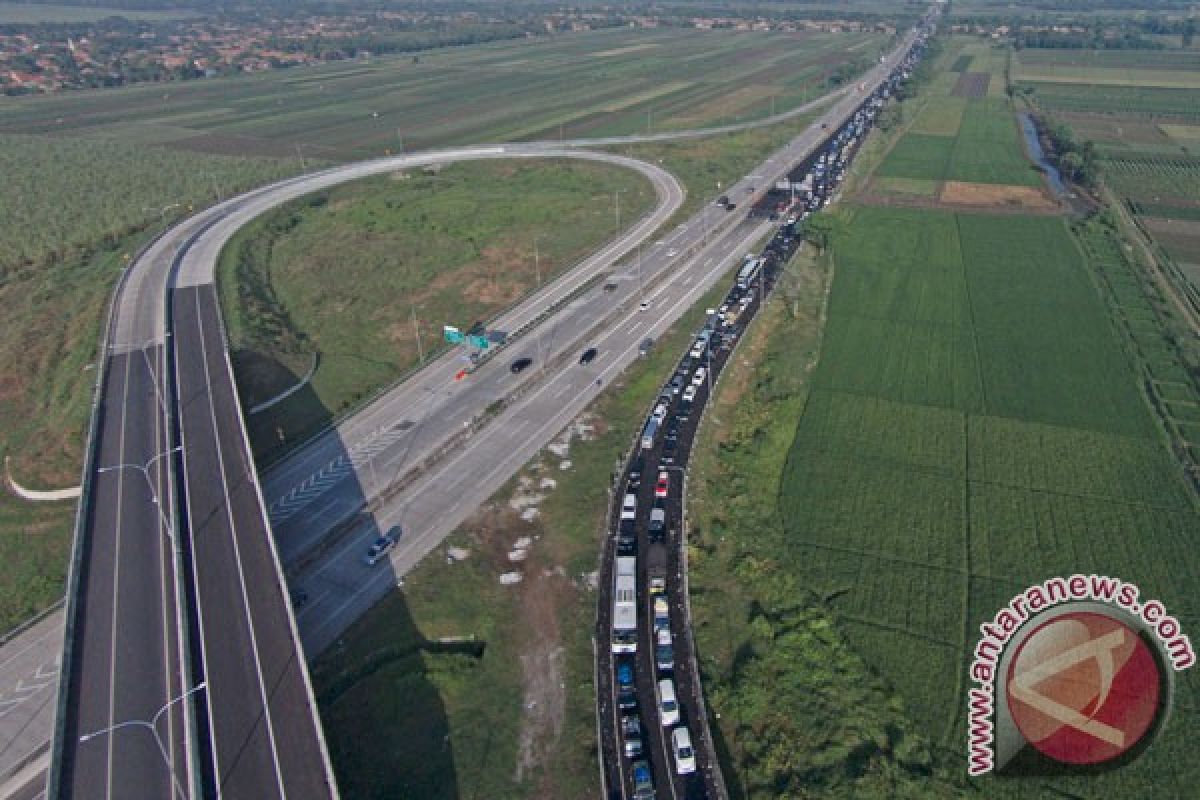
[
  {"x": 520, "y": 364},
  {"x": 670, "y": 446},
  {"x": 587, "y": 356},
  {"x": 635, "y": 472}
]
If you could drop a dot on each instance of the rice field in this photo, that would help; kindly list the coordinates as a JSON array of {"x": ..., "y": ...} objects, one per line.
[
  {"x": 975, "y": 425},
  {"x": 985, "y": 147},
  {"x": 598, "y": 83},
  {"x": 1156, "y": 179},
  {"x": 1153, "y": 103},
  {"x": 1105, "y": 76}
]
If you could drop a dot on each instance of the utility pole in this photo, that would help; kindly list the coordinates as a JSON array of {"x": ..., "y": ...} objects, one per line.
[
  {"x": 417, "y": 333},
  {"x": 617, "y": 207},
  {"x": 537, "y": 266},
  {"x": 641, "y": 288}
]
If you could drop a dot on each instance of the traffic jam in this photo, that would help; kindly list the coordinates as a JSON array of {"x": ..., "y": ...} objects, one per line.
[{"x": 655, "y": 741}]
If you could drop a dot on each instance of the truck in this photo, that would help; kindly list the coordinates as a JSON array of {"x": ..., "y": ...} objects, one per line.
[{"x": 656, "y": 569}]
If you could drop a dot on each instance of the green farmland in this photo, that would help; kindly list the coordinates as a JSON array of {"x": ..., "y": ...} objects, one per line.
[
  {"x": 586, "y": 84},
  {"x": 992, "y": 399},
  {"x": 974, "y": 427},
  {"x": 959, "y": 139}
]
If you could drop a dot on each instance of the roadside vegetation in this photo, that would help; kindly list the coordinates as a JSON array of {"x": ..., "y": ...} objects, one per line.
[
  {"x": 977, "y": 420},
  {"x": 346, "y": 278},
  {"x": 507, "y": 710}
]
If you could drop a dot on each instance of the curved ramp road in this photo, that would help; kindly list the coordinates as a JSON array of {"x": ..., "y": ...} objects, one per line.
[
  {"x": 182, "y": 661},
  {"x": 185, "y": 671}
]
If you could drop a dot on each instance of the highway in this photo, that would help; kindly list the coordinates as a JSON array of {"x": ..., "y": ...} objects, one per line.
[
  {"x": 127, "y": 611},
  {"x": 123, "y": 726},
  {"x": 263, "y": 738},
  {"x": 430, "y": 455}
]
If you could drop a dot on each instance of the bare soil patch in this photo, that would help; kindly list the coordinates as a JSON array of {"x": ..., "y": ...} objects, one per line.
[
  {"x": 967, "y": 197},
  {"x": 972, "y": 84},
  {"x": 992, "y": 195}
]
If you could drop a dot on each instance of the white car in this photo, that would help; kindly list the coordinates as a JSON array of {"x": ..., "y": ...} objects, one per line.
[
  {"x": 685, "y": 756},
  {"x": 660, "y": 412},
  {"x": 668, "y": 707},
  {"x": 689, "y": 394},
  {"x": 698, "y": 378}
]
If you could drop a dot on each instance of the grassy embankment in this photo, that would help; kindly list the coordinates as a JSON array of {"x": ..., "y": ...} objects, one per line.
[
  {"x": 974, "y": 425},
  {"x": 519, "y": 720}
]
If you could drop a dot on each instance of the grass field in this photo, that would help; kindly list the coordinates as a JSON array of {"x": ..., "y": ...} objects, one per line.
[
  {"x": 510, "y": 714},
  {"x": 339, "y": 275},
  {"x": 586, "y": 84}
]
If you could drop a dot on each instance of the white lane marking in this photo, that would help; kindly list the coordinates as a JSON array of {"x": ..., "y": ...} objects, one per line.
[
  {"x": 116, "y": 585},
  {"x": 237, "y": 556}
]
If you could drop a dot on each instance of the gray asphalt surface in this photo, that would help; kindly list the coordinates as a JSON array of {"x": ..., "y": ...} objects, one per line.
[
  {"x": 264, "y": 742},
  {"x": 125, "y": 660},
  {"x": 29, "y": 669}
]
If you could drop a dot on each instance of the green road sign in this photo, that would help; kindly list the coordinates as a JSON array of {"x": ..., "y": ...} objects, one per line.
[
  {"x": 478, "y": 341},
  {"x": 453, "y": 335}
]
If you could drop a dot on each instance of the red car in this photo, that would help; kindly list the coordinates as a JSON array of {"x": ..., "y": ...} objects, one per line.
[{"x": 660, "y": 488}]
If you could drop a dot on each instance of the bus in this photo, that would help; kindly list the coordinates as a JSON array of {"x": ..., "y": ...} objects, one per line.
[
  {"x": 748, "y": 273},
  {"x": 624, "y": 619},
  {"x": 649, "y": 432}
]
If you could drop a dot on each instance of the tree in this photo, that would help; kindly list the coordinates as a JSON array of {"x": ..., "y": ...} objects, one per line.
[
  {"x": 821, "y": 229},
  {"x": 1072, "y": 164}
]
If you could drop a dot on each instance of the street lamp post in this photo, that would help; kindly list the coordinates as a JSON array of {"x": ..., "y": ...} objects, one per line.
[
  {"x": 162, "y": 212},
  {"x": 145, "y": 470},
  {"x": 150, "y": 725}
]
